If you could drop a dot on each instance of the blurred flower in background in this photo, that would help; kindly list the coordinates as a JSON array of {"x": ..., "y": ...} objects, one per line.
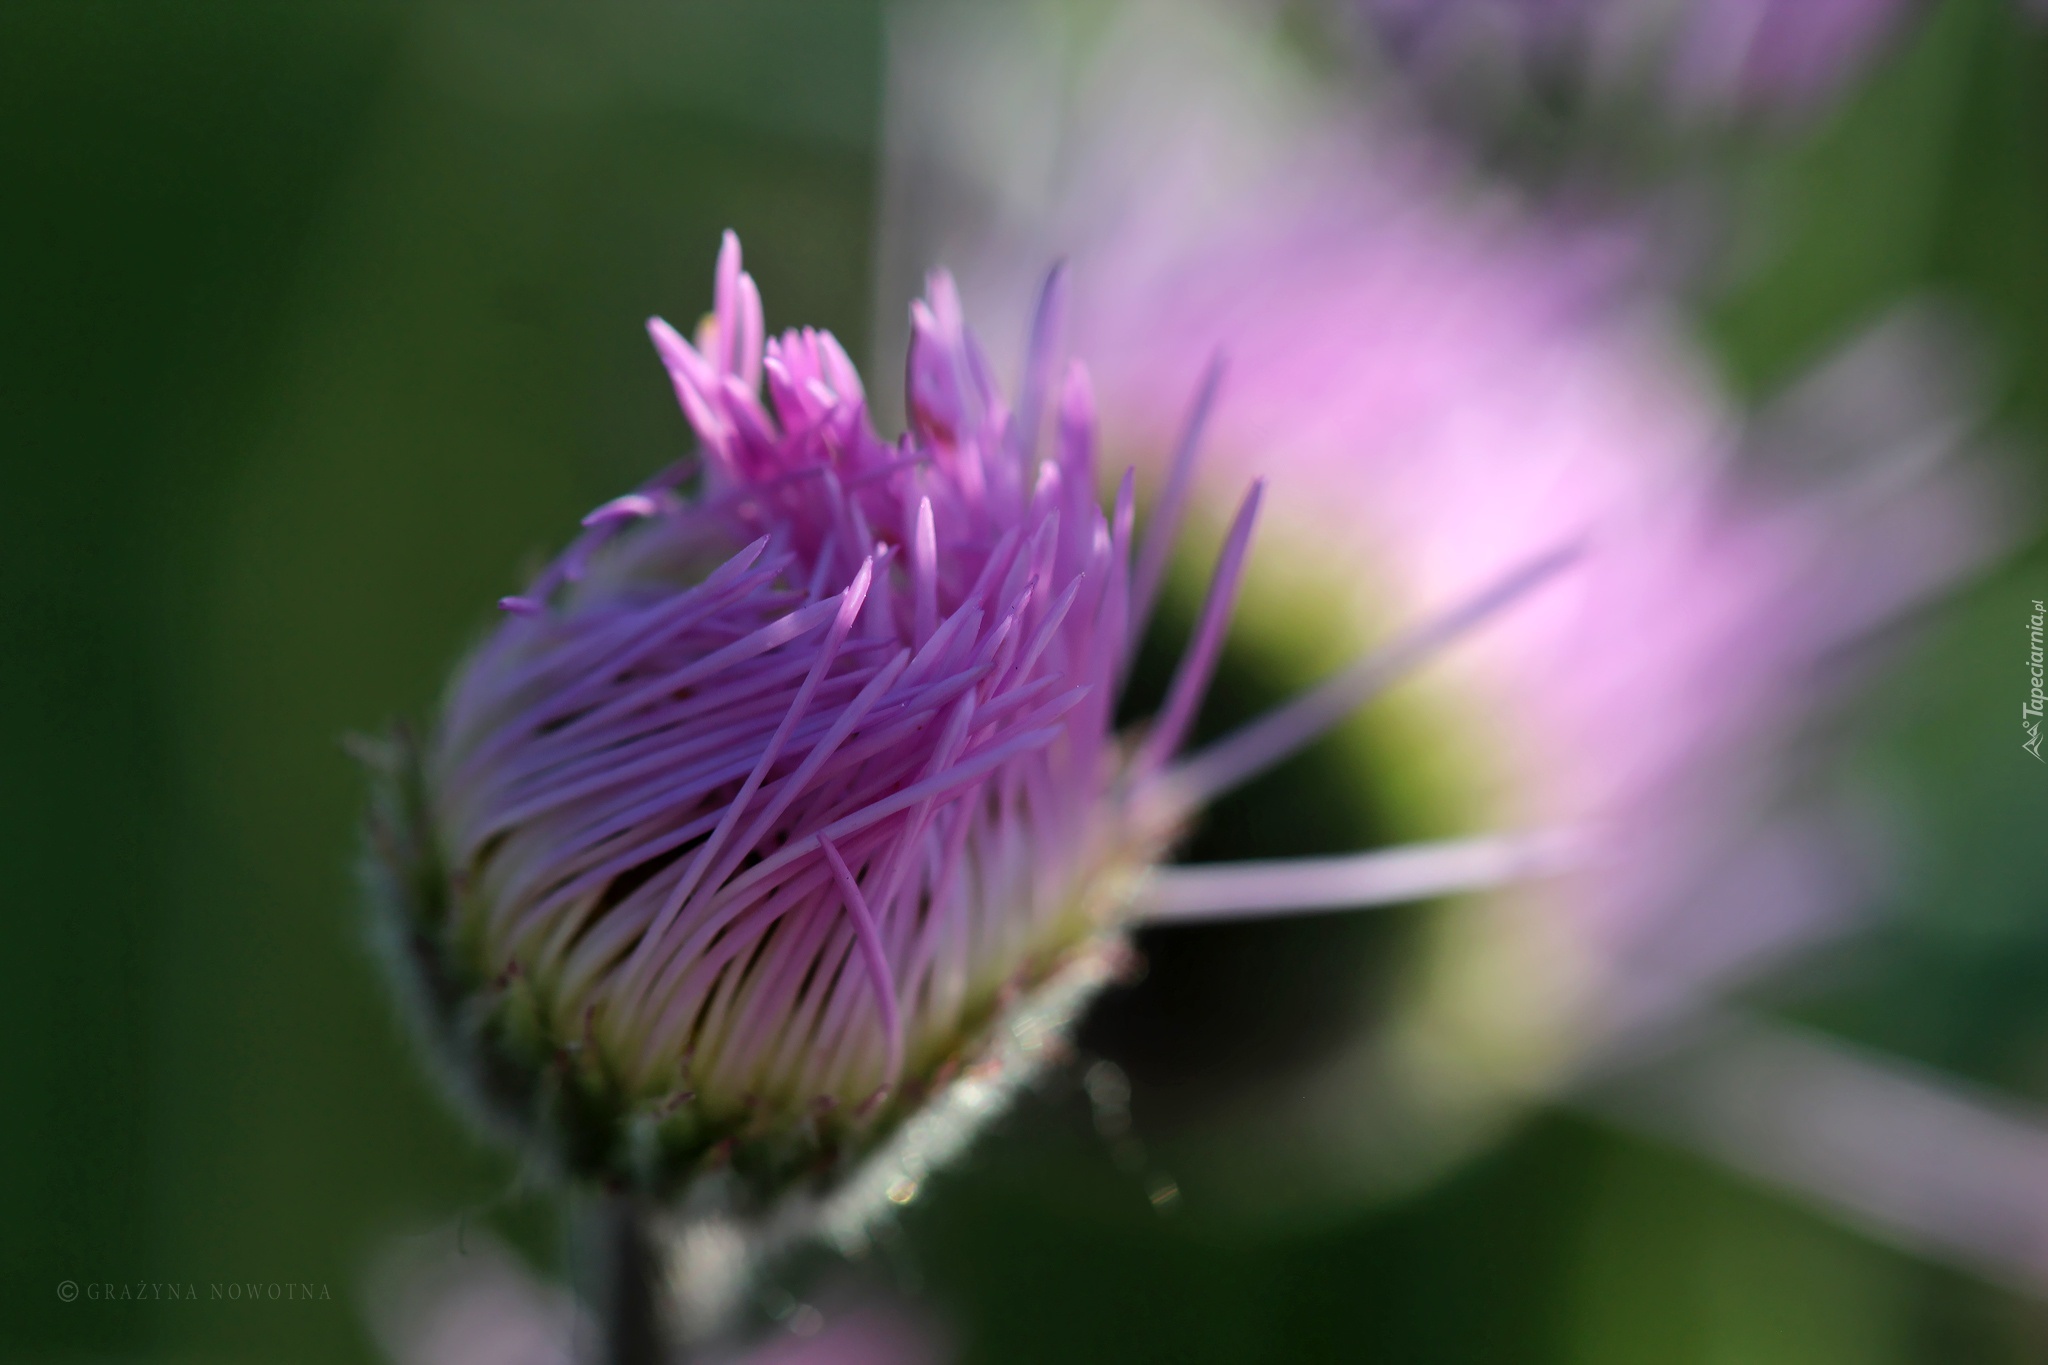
[
  {"x": 437, "y": 1302},
  {"x": 1437, "y": 383},
  {"x": 1704, "y": 55},
  {"x": 469, "y": 1300},
  {"x": 1670, "y": 112},
  {"x": 1707, "y": 57}
]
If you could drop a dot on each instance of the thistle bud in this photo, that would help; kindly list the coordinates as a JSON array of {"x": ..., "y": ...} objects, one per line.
[{"x": 745, "y": 827}]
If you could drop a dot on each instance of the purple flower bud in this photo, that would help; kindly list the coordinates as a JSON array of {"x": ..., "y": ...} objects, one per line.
[{"x": 771, "y": 795}]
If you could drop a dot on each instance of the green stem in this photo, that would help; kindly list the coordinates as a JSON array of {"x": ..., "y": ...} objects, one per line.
[{"x": 625, "y": 1288}]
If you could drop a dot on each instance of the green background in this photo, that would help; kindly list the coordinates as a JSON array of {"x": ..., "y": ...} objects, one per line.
[{"x": 322, "y": 321}]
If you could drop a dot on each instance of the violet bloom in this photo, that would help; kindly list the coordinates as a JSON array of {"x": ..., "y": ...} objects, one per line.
[
  {"x": 778, "y": 803},
  {"x": 766, "y": 796},
  {"x": 1435, "y": 387}
]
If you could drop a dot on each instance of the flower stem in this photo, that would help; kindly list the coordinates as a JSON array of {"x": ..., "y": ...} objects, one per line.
[{"x": 624, "y": 1286}]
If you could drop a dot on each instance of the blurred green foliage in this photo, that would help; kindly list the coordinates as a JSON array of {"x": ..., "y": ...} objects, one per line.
[{"x": 322, "y": 320}]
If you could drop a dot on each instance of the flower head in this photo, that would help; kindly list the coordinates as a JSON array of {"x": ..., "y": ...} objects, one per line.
[{"x": 736, "y": 837}]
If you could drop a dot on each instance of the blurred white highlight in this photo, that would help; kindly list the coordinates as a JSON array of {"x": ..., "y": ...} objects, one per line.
[{"x": 1392, "y": 876}]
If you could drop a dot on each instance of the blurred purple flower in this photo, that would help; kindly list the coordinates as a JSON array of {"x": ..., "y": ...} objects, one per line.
[
  {"x": 1702, "y": 54},
  {"x": 1433, "y": 387},
  {"x": 1780, "y": 51},
  {"x": 432, "y": 1302}
]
